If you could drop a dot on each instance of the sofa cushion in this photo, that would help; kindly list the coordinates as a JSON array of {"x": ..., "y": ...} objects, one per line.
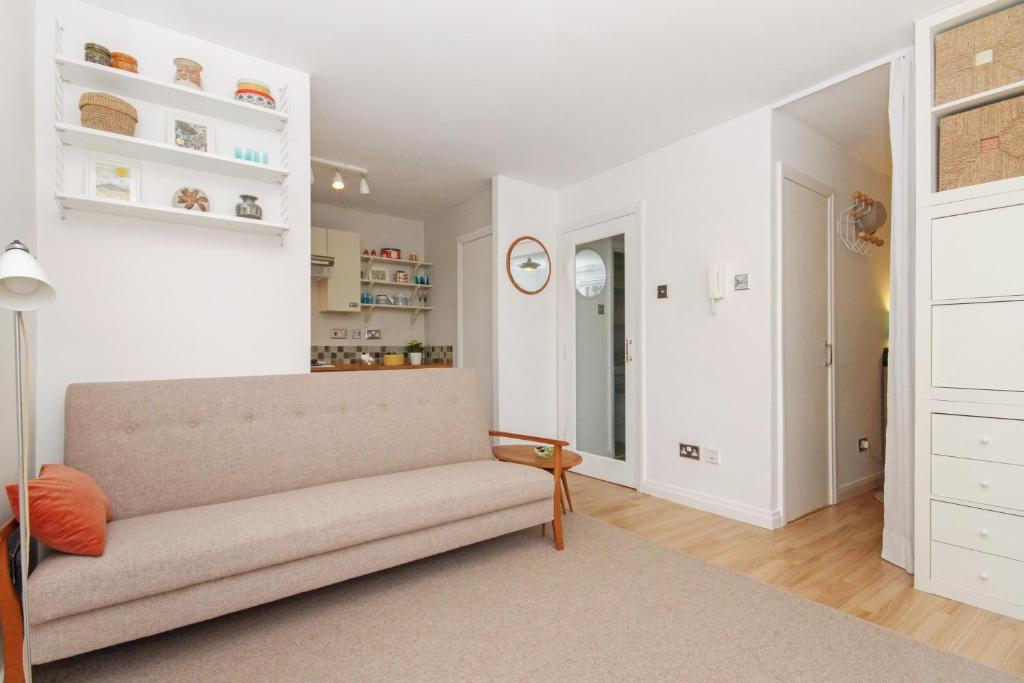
[
  {"x": 171, "y": 444},
  {"x": 152, "y": 554}
]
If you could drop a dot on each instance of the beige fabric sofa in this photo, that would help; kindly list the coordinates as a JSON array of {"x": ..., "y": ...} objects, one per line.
[{"x": 229, "y": 493}]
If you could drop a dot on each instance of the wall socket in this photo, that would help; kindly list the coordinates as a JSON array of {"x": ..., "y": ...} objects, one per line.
[
  {"x": 863, "y": 444},
  {"x": 689, "y": 451},
  {"x": 711, "y": 456}
]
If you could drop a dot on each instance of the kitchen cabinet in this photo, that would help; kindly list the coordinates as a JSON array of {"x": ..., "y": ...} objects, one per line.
[
  {"x": 339, "y": 293},
  {"x": 318, "y": 242}
]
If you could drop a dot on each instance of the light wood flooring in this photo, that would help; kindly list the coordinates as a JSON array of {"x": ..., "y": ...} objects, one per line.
[{"x": 830, "y": 557}]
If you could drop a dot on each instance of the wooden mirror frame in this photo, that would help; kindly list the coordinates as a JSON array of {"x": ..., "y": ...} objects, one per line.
[{"x": 508, "y": 264}]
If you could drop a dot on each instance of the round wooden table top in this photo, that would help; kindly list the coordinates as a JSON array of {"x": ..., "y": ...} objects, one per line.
[{"x": 524, "y": 455}]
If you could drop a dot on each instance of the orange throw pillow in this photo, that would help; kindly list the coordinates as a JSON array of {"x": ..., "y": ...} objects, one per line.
[{"x": 67, "y": 510}]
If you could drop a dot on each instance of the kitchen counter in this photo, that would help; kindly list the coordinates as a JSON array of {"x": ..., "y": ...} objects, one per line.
[{"x": 361, "y": 367}]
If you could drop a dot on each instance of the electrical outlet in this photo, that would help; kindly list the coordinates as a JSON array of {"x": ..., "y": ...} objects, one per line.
[
  {"x": 337, "y": 333},
  {"x": 862, "y": 444},
  {"x": 711, "y": 456},
  {"x": 741, "y": 282},
  {"x": 662, "y": 291},
  {"x": 689, "y": 451}
]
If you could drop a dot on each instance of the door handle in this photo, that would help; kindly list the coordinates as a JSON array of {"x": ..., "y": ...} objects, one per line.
[{"x": 828, "y": 355}]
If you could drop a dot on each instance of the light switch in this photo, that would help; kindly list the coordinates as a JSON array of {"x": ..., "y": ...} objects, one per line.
[
  {"x": 741, "y": 282},
  {"x": 662, "y": 291}
]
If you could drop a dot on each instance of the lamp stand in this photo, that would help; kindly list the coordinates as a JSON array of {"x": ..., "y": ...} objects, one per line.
[{"x": 23, "y": 453}]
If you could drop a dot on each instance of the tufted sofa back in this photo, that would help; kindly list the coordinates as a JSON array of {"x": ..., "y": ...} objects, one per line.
[{"x": 171, "y": 444}]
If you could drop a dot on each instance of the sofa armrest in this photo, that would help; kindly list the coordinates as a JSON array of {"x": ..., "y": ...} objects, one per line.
[{"x": 525, "y": 437}]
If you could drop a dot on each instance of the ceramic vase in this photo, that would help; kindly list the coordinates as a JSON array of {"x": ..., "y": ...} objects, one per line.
[
  {"x": 415, "y": 358},
  {"x": 248, "y": 208}
]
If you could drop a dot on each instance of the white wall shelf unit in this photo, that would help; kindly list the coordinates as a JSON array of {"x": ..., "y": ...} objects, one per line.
[
  {"x": 969, "y": 412},
  {"x": 168, "y": 94},
  {"x": 368, "y": 309},
  {"x": 375, "y": 283},
  {"x": 375, "y": 260},
  {"x": 161, "y": 153},
  {"x": 167, "y": 214}
]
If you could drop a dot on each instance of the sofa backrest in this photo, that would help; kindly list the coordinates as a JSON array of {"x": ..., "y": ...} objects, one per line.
[{"x": 164, "y": 445}]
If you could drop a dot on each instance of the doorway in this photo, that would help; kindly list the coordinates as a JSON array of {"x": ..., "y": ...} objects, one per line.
[
  {"x": 599, "y": 321},
  {"x": 475, "y": 307}
]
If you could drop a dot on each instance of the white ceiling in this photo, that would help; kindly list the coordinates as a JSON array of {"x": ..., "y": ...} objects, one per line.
[
  {"x": 855, "y": 114},
  {"x": 437, "y": 97}
]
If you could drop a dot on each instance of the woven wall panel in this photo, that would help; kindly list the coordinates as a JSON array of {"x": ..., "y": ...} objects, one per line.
[
  {"x": 963, "y": 64},
  {"x": 981, "y": 145}
]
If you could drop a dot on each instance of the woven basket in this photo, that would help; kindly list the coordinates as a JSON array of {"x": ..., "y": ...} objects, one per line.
[
  {"x": 982, "y": 145},
  {"x": 979, "y": 56},
  {"x": 109, "y": 113}
]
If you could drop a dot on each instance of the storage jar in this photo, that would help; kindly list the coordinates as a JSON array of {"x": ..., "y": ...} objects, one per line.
[
  {"x": 106, "y": 112},
  {"x": 124, "y": 61},
  {"x": 97, "y": 54},
  {"x": 188, "y": 72}
]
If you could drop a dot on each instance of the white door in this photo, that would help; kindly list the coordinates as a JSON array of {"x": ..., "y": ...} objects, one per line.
[
  {"x": 806, "y": 346},
  {"x": 599, "y": 317},
  {"x": 475, "y": 312}
]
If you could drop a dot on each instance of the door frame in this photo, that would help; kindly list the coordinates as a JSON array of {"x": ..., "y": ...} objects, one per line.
[
  {"x": 460, "y": 242},
  {"x": 635, "y": 318},
  {"x": 785, "y": 172}
]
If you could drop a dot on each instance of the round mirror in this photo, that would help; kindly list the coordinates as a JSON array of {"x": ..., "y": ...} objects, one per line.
[
  {"x": 591, "y": 273},
  {"x": 528, "y": 265}
]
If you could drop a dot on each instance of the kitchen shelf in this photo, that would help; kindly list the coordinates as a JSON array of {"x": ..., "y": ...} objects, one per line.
[
  {"x": 368, "y": 310},
  {"x": 168, "y": 94},
  {"x": 397, "y": 261},
  {"x": 395, "y": 284},
  {"x": 979, "y": 99},
  {"x": 168, "y": 214},
  {"x": 147, "y": 150}
]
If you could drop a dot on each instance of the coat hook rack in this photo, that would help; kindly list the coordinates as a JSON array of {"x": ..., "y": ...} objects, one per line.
[{"x": 859, "y": 222}]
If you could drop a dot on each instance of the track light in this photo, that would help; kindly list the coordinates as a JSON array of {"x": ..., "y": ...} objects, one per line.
[
  {"x": 338, "y": 183},
  {"x": 364, "y": 187}
]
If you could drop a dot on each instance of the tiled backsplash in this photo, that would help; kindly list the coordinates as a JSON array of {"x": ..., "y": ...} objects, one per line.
[{"x": 350, "y": 355}]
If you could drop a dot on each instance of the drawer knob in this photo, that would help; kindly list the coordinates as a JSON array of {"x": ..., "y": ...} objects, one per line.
[
  {"x": 985, "y": 440},
  {"x": 984, "y": 533},
  {"x": 985, "y": 483},
  {"x": 983, "y": 576}
]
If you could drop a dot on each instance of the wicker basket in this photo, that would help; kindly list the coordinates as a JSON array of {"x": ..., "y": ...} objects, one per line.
[
  {"x": 109, "y": 113},
  {"x": 982, "y": 145},
  {"x": 979, "y": 56}
]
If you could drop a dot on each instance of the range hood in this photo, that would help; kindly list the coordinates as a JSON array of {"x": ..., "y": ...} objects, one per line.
[{"x": 321, "y": 267}]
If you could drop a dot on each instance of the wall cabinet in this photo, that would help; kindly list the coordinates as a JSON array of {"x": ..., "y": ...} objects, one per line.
[
  {"x": 318, "y": 242},
  {"x": 340, "y": 292}
]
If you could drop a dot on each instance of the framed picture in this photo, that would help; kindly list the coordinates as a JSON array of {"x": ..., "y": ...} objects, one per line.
[
  {"x": 108, "y": 177},
  {"x": 373, "y": 334},
  {"x": 378, "y": 274},
  {"x": 190, "y": 132}
]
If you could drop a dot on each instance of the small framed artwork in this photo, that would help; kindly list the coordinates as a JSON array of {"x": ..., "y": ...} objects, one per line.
[
  {"x": 373, "y": 334},
  {"x": 190, "y": 132},
  {"x": 378, "y": 274},
  {"x": 108, "y": 177},
  {"x": 357, "y": 334}
]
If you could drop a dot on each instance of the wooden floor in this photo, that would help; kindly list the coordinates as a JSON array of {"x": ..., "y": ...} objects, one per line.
[{"x": 830, "y": 557}]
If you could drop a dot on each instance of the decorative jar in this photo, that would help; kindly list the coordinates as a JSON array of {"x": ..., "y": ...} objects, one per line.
[
  {"x": 124, "y": 61},
  {"x": 97, "y": 54},
  {"x": 248, "y": 208},
  {"x": 188, "y": 72}
]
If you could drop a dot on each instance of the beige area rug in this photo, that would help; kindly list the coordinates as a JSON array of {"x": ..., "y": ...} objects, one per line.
[{"x": 612, "y": 606}]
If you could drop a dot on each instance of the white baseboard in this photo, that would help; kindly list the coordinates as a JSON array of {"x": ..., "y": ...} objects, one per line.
[
  {"x": 859, "y": 486},
  {"x": 762, "y": 517}
]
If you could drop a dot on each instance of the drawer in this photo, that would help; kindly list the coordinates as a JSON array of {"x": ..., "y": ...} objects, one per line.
[
  {"x": 996, "y": 577},
  {"x": 995, "y": 533},
  {"x": 979, "y": 438},
  {"x": 978, "y": 346},
  {"x": 975, "y": 481},
  {"x": 978, "y": 254}
]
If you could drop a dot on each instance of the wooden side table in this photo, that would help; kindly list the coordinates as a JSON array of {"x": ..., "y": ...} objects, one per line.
[{"x": 524, "y": 455}]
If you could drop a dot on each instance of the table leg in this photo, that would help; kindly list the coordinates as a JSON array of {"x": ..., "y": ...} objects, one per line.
[{"x": 565, "y": 486}]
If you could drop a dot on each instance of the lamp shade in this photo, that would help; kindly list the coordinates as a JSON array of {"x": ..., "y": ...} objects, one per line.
[{"x": 23, "y": 284}]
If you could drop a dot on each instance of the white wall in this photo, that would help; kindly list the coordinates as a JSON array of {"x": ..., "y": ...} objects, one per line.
[
  {"x": 706, "y": 379},
  {"x": 146, "y": 300},
  {"x": 861, "y": 301},
  {"x": 376, "y": 231},
  {"x": 526, "y": 337},
  {"x": 442, "y": 233},
  {"x": 16, "y": 183}
]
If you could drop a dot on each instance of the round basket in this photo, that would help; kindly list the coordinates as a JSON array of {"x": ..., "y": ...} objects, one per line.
[{"x": 109, "y": 113}]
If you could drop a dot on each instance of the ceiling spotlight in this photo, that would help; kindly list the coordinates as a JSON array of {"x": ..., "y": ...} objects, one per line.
[
  {"x": 338, "y": 183},
  {"x": 364, "y": 187}
]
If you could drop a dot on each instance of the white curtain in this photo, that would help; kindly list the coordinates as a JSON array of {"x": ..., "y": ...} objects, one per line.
[{"x": 898, "y": 533}]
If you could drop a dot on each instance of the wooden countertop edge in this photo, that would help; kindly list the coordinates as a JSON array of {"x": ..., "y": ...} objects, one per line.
[{"x": 361, "y": 367}]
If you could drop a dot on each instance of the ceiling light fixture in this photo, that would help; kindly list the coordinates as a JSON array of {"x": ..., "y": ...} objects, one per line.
[
  {"x": 338, "y": 183},
  {"x": 529, "y": 264},
  {"x": 364, "y": 187}
]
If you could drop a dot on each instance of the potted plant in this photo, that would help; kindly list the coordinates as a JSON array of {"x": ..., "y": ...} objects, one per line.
[{"x": 415, "y": 350}]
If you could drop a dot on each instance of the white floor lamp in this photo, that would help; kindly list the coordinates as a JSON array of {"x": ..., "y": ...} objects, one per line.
[{"x": 23, "y": 287}]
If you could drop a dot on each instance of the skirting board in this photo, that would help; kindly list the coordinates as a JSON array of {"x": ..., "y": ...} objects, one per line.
[
  {"x": 741, "y": 512},
  {"x": 859, "y": 486}
]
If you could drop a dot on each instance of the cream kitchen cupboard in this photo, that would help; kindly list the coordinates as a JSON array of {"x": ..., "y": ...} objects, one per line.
[
  {"x": 318, "y": 242},
  {"x": 340, "y": 292}
]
